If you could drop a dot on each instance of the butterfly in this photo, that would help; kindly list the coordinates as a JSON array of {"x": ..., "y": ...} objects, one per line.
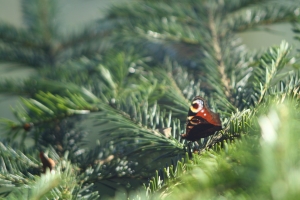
[{"x": 201, "y": 121}]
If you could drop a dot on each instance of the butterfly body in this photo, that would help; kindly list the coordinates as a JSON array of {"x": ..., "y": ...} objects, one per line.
[{"x": 201, "y": 121}]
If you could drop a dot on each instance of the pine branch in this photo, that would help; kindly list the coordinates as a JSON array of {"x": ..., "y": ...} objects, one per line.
[
  {"x": 16, "y": 168},
  {"x": 139, "y": 103},
  {"x": 62, "y": 182},
  {"x": 216, "y": 63},
  {"x": 241, "y": 164},
  {"x": 33, "y": 85},
  {"x": 230, "y": 6},
  {"x": 39, "y": 18},
  {"x": 148, "y": 139},
  {"x": 41, "y": 44},
  {"x": 168, "y": 179},
  {"x": 263, "y": 75},
  {"x": 218, "y": 54},
  {"x": 46, "y": 108},
  {"x": 20, "y": 37},
  {"x": 261, "y": 13},
  {"x": 277, "y": 64},
  {"x": 23, "y": 55},
  {"x": 89, "y": 41}
]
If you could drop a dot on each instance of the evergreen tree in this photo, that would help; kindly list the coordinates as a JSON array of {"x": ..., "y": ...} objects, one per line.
[{"x": 105, "y": 112}]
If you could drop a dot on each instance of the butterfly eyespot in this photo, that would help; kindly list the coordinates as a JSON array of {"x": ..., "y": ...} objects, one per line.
[
  {"x": 195, "y": 121},
  {"x": 197, "y": 105}
]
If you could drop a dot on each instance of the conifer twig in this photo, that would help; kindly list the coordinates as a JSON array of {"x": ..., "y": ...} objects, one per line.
[{"x": 218, "y": 54}]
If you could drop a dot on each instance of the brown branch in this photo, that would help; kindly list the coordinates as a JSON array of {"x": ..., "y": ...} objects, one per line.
[{"x": 218, "y": 55}]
